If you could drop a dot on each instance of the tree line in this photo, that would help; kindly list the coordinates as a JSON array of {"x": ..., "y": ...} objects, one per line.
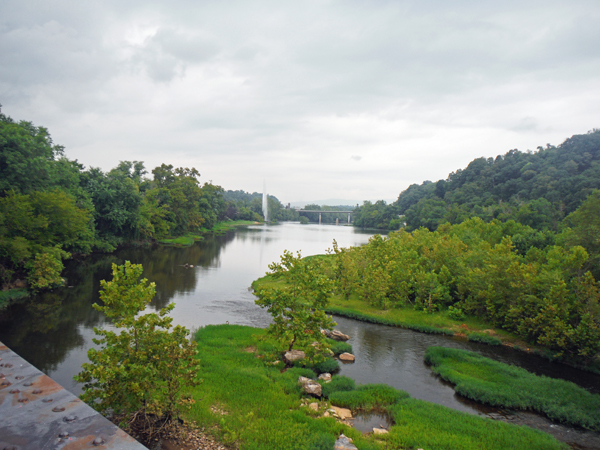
[
  {"x": 540, "y": 286},
  {"x": 537, "y": 188},
  {"x": 52, "y": 207}
]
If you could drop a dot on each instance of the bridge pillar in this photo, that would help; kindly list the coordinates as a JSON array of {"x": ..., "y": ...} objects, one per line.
[
  {"x": 319, "y": 218},
  {"x": 348, "y": 218}
]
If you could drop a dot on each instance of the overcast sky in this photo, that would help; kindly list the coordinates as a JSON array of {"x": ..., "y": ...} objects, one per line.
[{"x": 320, "y": 99}]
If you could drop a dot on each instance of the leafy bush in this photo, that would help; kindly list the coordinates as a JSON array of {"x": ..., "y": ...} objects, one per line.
[
  {"x": 145, "y": 367},
  {"x": 329, "y": 365},
  {"x": 456, "y": 313},
  {"x": 338, "y": 383},
  {"x": 484, "y": 339},
  {"x": 340, "y": 347}
]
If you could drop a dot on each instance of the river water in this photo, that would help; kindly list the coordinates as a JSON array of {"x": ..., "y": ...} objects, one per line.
[{"x": 54, "y": 331}]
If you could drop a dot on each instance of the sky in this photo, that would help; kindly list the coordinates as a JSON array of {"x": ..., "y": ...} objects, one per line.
[{"x": 317, "y": 99}]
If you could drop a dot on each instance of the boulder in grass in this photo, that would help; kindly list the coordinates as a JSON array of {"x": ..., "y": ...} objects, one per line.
[
  {"x": 310, "y": 387},
  {"x": 344, "y": 443},
  {"x": 347, "y": 357},
  {"x": 342, "y": 413},
  {"x": 294, "y": 355},
  {"x": 380, "y": 431},
  {"x": 326, "y": 377}
]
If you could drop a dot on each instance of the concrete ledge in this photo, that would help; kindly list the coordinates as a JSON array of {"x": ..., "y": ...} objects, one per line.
[{"x": 36, "y": 413}]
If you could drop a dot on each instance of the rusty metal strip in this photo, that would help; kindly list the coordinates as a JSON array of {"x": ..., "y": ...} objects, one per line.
[{"x": 36, "y": 413}]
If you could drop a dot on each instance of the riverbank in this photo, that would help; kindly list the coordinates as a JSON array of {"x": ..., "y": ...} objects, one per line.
[
  {"x": 437, "y": 322},
  {"x": 505, "y": 386},
  {"x": 220, "y": 228},
  {"x": 12, "y": 296},
  {"x": 247, "y": 402}
]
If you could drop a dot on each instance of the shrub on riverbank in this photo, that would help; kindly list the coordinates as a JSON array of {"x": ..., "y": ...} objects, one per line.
[
  {"x": 250, "y": 404},
  {"x": 497, "y": 384}
]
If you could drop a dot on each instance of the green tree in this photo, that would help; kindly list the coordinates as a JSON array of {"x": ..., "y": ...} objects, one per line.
[
  {"x": 297, "y": 307},
  {"x": 143, "y": 368}
]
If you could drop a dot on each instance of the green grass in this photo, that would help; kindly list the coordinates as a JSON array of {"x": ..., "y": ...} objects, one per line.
[
  {"x": 221, "y": 227},
  {"x": 484, "y": 339},
  {"x": 339, "y": 347},
  {"x": 405, "y": 317},
  {"x": 498, "y": 384},
  {"x": 249, "y": 403},
  {"x": 182, "y": 241},
  {"x": 11, "y": 296},
  {"x": 419, "y": 424}
]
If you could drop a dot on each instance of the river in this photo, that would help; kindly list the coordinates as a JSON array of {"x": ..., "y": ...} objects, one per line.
[{"x": 53, "y": 331}]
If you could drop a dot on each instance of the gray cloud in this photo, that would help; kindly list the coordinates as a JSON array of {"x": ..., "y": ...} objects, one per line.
[{"x": 247, "y": 91}]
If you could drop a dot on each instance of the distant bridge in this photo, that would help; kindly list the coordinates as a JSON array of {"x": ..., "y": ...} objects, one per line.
[{"x": 326, "y": 212}]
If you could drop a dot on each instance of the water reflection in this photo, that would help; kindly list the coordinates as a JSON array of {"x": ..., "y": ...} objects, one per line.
[{"x": 54, "y": 330}]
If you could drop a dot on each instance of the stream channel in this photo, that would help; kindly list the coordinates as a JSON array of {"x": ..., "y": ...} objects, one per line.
[{"x": 53, "y": 331}]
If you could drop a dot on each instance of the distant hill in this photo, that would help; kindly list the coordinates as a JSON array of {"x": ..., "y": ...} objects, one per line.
[{"x": 536, "y": 188}]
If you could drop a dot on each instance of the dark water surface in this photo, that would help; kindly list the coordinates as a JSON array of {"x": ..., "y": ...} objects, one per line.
[{"x": 54, "y": 331}]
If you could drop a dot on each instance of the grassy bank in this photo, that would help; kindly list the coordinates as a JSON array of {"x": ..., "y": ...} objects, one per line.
[
  {"x": 248, "y": 403},
  {"x": 220, "y": 228},
  {"x": 438, "y": 322},
  {"x": 11, "y": 296},
  {"x": 494, "y": 383}
]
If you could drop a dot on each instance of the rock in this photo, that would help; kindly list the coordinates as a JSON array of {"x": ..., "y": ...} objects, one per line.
[
  {"x": 326, "y": 414},
  {"x": 344, "y": 443},
  {"x": 380, "y": 431},
  {"x": 314, "y": 406},
  {"x": 338, "y": 336},
  {"x": 343, "y": 413},
  {"x": 326, "y": 377},
  {"x": 294, "y": 355},
  {"x": 310, "y": 387},
  {"x": 349, "y": 357}
]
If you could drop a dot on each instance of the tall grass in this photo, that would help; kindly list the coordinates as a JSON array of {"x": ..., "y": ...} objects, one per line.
[
  {"x": 419, "y": 424},
  {"x": 498, "y": 384},
  {"x": 484, "y": 339},
  {"x": 249, "y": 404},
  {"x": 383, "y": 320}
]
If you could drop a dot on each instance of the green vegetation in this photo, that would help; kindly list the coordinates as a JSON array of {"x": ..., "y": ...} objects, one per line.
[
  {"x": 13, "y": 295},
  {"x": 51, "y": 207},
  {"x": 498, "y": 384},
  {"x": 419, "y": 424},
  {"x": 140, "y": 372},
  {"x": 544, "y": 295},
  {"x": 484, "y": 338},
  {"x": 537, "y": 189},
  {"x": 245, "y": 206},
  {"x": 249, "y": 403},
  {"x": 297, "y": 306}
]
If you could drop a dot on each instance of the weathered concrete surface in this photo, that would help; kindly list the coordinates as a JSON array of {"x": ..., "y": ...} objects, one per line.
[{"x": 36, "y": 413}]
